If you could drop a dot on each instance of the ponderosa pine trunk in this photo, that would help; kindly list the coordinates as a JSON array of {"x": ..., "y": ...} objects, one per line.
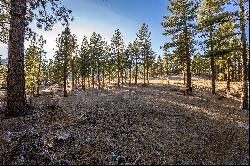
[
  {"x": 65, "y": 79},
  {"x": 212, "y": 63},
  {"x": 136, "y": 71},
  {"x": 144, "y": 72},
  {"x": 147, "y": 73},
  {"x": 228, "y": 74},
  {"x": 88, "y": 80},
  {"x": 98, "y": 77},
  {"x": 118, "y": 70},
  {"x": 83, "y": 82},
  {"x": 103, "y": 78},
  {"x": 130, "y": 73},
  {"x": 65, "y": 70},
  {"x": 38, "y": 75},
  {"x": 244, "y": 97},
  {"x": 109, "y": 77},
  {"x": 184, "y": 77},
  {"x": 122, "y": 75},
  {"x": 188, "y": 60},
  {"x": 73, "y": 73},
  {"x": 16, "y": 98},
  {"x": 93, "y": 78}
]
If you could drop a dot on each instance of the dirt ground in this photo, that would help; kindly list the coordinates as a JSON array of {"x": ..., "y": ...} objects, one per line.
[{"x": 133, "y": 124}]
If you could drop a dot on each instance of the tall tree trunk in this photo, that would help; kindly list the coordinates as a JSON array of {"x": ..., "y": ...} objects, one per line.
[
  {"x": 184, "y": 77},
  {"x": 130, "y": 73},
  {"x": 109, "y": 77},
  {"x": 213, "y": 69},
  {"x": 88, "y": 80},
  {"x": 98, "y": 78},
  {"x": 77, "y": 81},
  {"x": 147, "y": 73},
  {"x": 122, "y": 75},
  {"x": 103, "y": 78},
  {"x": 65, "y": 78},
  {"x": 65, "y": 70},
  {"x": 93, "y": 78},
  {"x": 83, "y": 82},
  {"x": 213, "y": 74},
  {"x": 188, "y": 60},
  {"x": 16, "y": 98},
  {"x": 233, "y": 75},
  {"x": 228, "y": 74},
  {"x": 144, "y": 72},
  {"x": 118, "y": 69},
  {"x": 118, "y": 81},
  {"x": 136, "y": 71},
  {"x": 38, "y": 76},
  {"x": 73, "y": 73},
  {"x": 244, "y": 97}
]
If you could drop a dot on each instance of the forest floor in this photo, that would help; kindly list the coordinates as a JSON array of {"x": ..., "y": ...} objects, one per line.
[{"x": 133, "y": 124}]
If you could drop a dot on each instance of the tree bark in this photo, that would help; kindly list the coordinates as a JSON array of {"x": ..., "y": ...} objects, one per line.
[
  {"x": 213, "y": 69},
  {"x": 130, "y": 73},
  {"x": 93, "y": 78},
  {"x": 73, "y": 73},
  {"x": 83, "y": 82},
  {"x": 136, "y": 71},
  {"x": 38, "y": 75},
  {"x": 98, "y": 78},
  {"x": 188, "y": 60},
  {"x": 118, "y": 69},
  {"x": 144, "y": 72},
  {"x": 122, "y": 75},
  {"x": 244, "y": 97},
  {"x": 16, "y": 98},
  {"x": 103, "y": 78},
  {"x": 65, "y": 71},
  {"x": 65, "y": 79},
  {"x": 228, "y": 74},
  {"x": 147, "y": 73},
  {"x": 88, "y": 80},
  {"x": 109, "y": 77},
  {"x": 184, "y": 77}
]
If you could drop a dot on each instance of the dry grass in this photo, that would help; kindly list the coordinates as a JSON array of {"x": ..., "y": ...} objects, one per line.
[{"x": 153, "y": 124}]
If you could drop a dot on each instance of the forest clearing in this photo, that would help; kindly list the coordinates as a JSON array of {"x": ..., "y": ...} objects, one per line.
[
  {"x": 128, "y": 82},
  {"x": 133, "y": 124}
]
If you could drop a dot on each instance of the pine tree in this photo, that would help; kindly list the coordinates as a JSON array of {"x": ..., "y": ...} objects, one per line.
[
  {"x": 211, "y": 15},
  {"x": 31, "y": 66},
  {"x": 16, "y": 98},
  {"x": 117, "y": 46},
  {"x": 66, "y": 44},
  {"x": 41, "y": 54},
  {"x": 145, "y": 48},
  {"x": 106, "y": 62},
  {"x": 109, "y": 62},
  {"x": 166, "y": 62},
  {"x": 160, "y": 67},
  {"x": 84, "y": 61},
  {"x": 180, "y": 25},
  {"x": 129, "y": 59},
  {"x": 135, "y": 53},
  {"x": 95, "y": 48},
  {"x": 243, "y": 22}
]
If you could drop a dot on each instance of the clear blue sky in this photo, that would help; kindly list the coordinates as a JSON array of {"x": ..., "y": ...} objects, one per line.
[
  {"x": 105, "y": 16},
  {"x": 127, "y": 15}
]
